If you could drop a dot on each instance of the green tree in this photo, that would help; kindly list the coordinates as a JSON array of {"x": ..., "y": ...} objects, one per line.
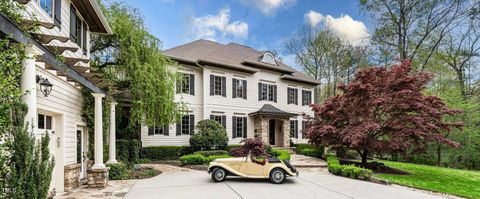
[
  {"x": 411, "y": 30},
  {"x": 135, "y": 68},
  {"x": 210, "y": 135}
]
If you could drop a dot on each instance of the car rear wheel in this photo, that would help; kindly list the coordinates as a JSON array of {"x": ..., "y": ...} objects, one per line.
[
  {"x": 219, "y": 174},
  {"x": 277, "y": 176}
]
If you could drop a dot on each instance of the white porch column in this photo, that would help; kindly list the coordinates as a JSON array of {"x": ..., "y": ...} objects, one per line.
[
  {"x": 98, "y": 126},
  {"x": 111, "y": 145},
  {"x": 28, "y": 84}
]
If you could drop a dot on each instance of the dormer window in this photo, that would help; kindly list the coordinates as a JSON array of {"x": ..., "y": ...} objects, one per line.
[{"x": 268, "y": 58}]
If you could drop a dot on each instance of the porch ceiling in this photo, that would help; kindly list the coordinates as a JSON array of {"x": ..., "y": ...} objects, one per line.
[{"x": 270, "y": 110}]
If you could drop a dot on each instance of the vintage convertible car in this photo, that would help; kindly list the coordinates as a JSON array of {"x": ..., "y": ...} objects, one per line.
[{"x": 272, "y": 168}]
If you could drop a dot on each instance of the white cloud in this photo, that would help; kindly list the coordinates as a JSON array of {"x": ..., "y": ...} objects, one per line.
[
  {"x": 344, "y": 27},
  {"x": 212, "y": 26},
  {"x": 268, "y": 7},
  {"x": 313, "y": 18}
]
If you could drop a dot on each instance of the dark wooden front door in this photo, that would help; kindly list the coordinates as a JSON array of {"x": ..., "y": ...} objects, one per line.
[{"x": 271, "y": 131}]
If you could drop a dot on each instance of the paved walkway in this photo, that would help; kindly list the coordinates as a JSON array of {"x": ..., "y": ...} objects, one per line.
[
  {"x": 115, "y": 190},
  {"x": 301, "y": 161},
  {"x": 312, "y": 183}
]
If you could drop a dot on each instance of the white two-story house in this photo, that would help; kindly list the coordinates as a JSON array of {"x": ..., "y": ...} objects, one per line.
[
  {"x": 55, "y": 71},
  {"x": 249, "y": 92}
]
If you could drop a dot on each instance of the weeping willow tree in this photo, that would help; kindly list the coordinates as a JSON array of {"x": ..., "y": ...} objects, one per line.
[{"x": 135, "y": 68}]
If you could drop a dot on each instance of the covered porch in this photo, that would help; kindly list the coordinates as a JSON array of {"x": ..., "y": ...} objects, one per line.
[{"x": 272, "y": 125}]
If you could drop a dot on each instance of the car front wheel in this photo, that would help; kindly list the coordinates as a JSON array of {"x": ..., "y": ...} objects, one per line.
[
  {"x": 219, "y": 174},
  {"x": 277, "y": 176}
]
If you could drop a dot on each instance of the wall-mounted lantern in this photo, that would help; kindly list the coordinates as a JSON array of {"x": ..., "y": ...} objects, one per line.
[{"x": 45, "y": 85}]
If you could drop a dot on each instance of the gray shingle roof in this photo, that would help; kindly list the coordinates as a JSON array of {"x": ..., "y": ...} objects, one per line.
[
  {"x": 232, "y": 56},
  {"x": 268, "y": 109}
]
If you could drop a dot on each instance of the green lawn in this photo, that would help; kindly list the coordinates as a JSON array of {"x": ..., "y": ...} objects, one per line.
[{"x": 453, "y": 181}]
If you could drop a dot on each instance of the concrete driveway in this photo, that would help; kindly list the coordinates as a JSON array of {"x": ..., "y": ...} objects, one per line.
[{"x": 310, "y": 184}]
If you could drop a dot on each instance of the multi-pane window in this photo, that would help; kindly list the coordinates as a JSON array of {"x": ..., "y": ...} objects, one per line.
[
  {"x": 218, "y": 85},
  {"x": 186, "y": 84},
  {"x": 306, "y": 97},
  {"x": 267, "y": 92},
  {"x": 155, "y": 130},
  {"x": 78, "y": 29},
  {"x": 221, "y": 119},
  {"x": 292, "y": 96},
  {"x": 186, "y": 125},
  {"x": 294, "y": 128},
  {"x": 44, "y": 122},
  {"x": 239, "y": 127},
  {"x": 239, "y": 88},
  {"x": 47, "y": 6}
]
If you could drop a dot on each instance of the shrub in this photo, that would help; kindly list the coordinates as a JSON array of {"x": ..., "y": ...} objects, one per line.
[
  {"x": 212, "y": 153},
  {"x": 164, "y": 152},
  {"x": 310, "y": 150},
  {"x": 193, "y": 159},
  {"x": 213, "y": 157},
  {"x": 256, "y": 146},
  {"x": 118, "y": 171},
  {"x": 210, "y": 135},
  {"x": 128, "y": 151},
  {"x": 281, "y": 154},
  {"x": 350, "y": 171},
  {"x": 230, "y": 147}
]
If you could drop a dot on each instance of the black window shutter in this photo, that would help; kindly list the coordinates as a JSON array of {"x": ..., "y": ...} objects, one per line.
[
  {"x": 212, "y": 84},
  {"x": 245, "y": 127},
  {"x": 303, "y": 128},
  {"x": 303, "y": 98},
  {"x": 150, "y": 131},
  {"x": 211, "y": 117},
  {"x": 234, "y": 88},
  {"x": 244, "y": 89},
  {"x": 58, "y": 13},
  {"x": 179, "y": 84},
  {"x": 234, "y": 127},
  {"x": 296, "y": 128},
  {"x": 73, "y": 22},
  {"x": 275, "y": 93},
  {"x": 84, "y": 38},
  {"x": 192, "y": 84},
  {"x": 166, "y": 130},
  {"x": 296, "y": 96},
  {"x": 224, "y": 86},
  {"x": 192, "y": 124},
  {"x": 224, "y": 121},
  {"x": 179, "y": 127},
  {"x": 259, "y": 91}
]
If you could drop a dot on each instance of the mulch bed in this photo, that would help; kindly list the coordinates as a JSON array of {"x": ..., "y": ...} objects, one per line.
[
  {"x": 144, "y": 172},
  {"x": 376, "y": 167}
]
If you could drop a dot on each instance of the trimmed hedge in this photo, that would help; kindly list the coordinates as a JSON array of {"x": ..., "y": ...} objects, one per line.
[
  {"x": 233, "y": 146},
  {"x": 165, "y": 152},
  {"x": 281, "y": 154},
  {"x": 193, "y": 159},
  {"x": 350, "y": 171},
  {"x": 128, "y": 150},
  {"x": 310, "y": 150},
  {"x": 118, "y": 171},
  {"x": 212, "y": 153}
]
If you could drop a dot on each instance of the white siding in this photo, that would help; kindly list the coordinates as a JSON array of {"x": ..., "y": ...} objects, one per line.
[
  {"x": 64, "y": 31},
  {"x": 64, "y": 101},
  {"x": 203, "y": 104}
]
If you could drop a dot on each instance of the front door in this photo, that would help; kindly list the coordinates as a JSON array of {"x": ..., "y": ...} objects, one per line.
[{"x": 271, "y": 131}]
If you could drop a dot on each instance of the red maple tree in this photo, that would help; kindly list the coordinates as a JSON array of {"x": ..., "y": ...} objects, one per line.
[{"x": 382, "y": 110}]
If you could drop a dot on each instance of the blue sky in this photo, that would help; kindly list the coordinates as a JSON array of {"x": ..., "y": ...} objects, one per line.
[{"x": 262, "y": 24}]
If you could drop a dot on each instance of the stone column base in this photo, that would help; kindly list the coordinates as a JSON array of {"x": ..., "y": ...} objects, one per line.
[
  {"x": 97, "y": 178},
  {"x": 72, "y": 176}
]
